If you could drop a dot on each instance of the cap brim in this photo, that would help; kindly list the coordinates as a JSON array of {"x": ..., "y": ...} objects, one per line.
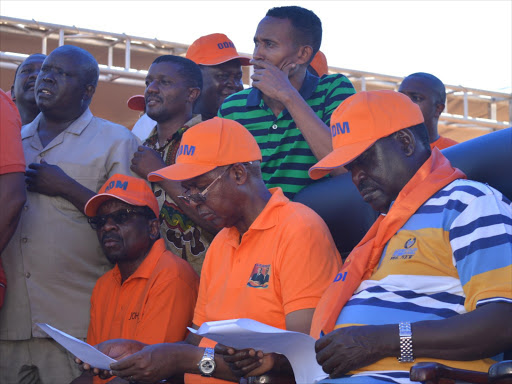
[
  {"x": 244, "y": 61},
  {"x": 338, "y": 158},
  {"x": 137, "y": 104},
  {"x": 91, "y": 207},
  {"x": 179, "y": 172}
]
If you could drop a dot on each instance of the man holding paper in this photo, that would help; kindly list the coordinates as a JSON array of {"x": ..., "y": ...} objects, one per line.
[{"x": 218, "y": 164}]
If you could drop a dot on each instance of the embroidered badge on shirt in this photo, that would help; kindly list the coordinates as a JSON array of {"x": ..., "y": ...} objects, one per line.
[
  {"x": 407, "y": 252},
  {"x": 260, "y": 276}
]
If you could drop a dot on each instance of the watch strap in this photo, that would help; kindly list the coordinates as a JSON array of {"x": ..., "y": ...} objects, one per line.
[{"x": 405, "y": 334}]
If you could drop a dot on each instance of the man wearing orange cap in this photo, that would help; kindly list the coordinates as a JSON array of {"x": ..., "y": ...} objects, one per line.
[
  {"x": 150, "y": 294},
  {"x": 173, "y": 84},
  {"x": 431, "y": 279},
  {"x": 288, "y": 110},
  {"x": 22, "y": 89},
  {"x": 429, "y": 93},
  {"x": 218, "y": 164},
  {"x": 221, "y": 67}
]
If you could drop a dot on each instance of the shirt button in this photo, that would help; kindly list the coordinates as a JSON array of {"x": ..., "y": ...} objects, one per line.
[
  {"x": 24, "y": 240},
  {"x": 274, "y": 126},
  {"x": 42, "y": 155},
  {"x": 25, "y": 207},
  {"x": 27, "y": 275}
]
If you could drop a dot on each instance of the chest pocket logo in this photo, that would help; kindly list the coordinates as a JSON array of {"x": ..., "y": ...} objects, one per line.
[{"x": 260, "y": 276}]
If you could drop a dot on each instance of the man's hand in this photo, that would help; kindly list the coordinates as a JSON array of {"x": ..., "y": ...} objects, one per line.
[
  {"x": 116, "y": 349},
  {"x": 145, "y": 161},
  {"x": 46, "y": 179},
  {"x": 273, "y": 81},
  {"x": 246, "y": 362},
  {"x": 351, "y": 348},
  {"x": 150, "y": 365}
]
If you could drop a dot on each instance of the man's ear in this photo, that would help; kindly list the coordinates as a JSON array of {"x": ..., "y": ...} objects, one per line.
[
  {"x": 193, "y": 94},
  {"x": 89, "y": 92},
  {"x": 13, "y": 96},
  {"x": 439, "y": 109},
  {"x": 407, "y": 141},
  {"x": 240, "y": 173},
  {"x": 154, "y": 229},
  {"x": 305, "y": 54}
]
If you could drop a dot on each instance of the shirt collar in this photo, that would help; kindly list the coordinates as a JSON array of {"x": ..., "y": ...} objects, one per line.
[
  {"x": 148, "y": 264},
  {"x": 76, "y": 126},
  {"x": 267, "y": 219}
]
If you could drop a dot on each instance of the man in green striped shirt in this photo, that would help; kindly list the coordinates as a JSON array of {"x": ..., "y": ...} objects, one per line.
[{"x": 288, "y": 110}]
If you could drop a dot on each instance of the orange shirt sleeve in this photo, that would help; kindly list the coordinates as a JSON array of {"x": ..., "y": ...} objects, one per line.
[
  {"x": 309, "y": 261},
  {"x": 11, "y": 151}
]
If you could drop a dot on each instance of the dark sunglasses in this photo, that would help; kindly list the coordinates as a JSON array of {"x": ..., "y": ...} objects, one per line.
[{"x": 119, "y": 217}]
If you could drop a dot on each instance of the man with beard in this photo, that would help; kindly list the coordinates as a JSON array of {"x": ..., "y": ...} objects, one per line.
[
  {"x": 173, "y": 84},
  {"x": 22, "y": 89},
  {"x": 53, "y": 260},
  {"x": 221, "y": 67},
  {"x": 150, "y": 294}
]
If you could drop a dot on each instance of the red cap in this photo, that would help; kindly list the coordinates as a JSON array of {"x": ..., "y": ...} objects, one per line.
[
  {"x": 129, "y": 189},
  {"x": 208, "y": 145},
  {"x": 319, "y": 64},
  {"x": 214, "y": 49},
  {"x": 137, "y": 103},
  {"x": 360, "y": 121}
]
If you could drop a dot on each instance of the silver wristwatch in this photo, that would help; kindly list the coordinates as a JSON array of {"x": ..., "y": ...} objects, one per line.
[
  {"x": 207, "y": 364},
  {"x": 405, "y": 333}
]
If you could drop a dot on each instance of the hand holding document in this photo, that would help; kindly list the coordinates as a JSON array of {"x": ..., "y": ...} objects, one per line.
[
  {"x": 85, "y": 352},
  {"x": 298, "y": 347}
]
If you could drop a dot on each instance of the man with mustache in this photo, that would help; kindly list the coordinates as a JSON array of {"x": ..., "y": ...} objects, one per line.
[
  {"x": 221, "y": 67},
  {"x": 150, "y": 294},
  {"x": 173, "y": 85},
  {"x": 288, "y": 109},
  {"x": 22, "y": 89},
  {"x": 53, "y": 260},
  {"x": 432, "y": 278}
]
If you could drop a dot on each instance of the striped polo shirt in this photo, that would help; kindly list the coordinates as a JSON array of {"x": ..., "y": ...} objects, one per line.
[
  {"x": 286, "y": 154},
  {"x": 453, "y": 255}
]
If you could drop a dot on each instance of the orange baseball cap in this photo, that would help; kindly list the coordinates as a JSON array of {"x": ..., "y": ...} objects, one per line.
[
  {"x": 208, "y": 145},
  {"x": 129, "y": 189},
  {"x": 137, "y": 103},
  {"x": 214, "y": 49},
  {"x": 360, "y": 121},
  {"x": 319, "y": 64}
]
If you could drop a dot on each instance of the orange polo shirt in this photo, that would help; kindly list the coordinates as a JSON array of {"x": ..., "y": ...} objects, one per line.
[
  {"x": 442, "y": 143},
  {"x": 289, "y": 244},
  {"x": 154, "y": 305}
]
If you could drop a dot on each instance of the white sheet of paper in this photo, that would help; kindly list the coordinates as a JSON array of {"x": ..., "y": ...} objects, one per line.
[
  {"x": 85, "y": 352},
  {"x": 299, "y": 348}
]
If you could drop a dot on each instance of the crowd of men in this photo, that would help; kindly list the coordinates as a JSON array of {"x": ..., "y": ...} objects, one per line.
[{"x": 125, "y": 238}]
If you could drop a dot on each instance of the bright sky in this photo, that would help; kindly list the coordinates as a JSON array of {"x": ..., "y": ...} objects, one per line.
[{"x": 462, "y": 42}]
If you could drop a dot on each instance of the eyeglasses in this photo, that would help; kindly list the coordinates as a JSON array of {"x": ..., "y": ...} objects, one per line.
[
  {"x": 119, "y": 217},
  {"x": 200, "y": 197}
]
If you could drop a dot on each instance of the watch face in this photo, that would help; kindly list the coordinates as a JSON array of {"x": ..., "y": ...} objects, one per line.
[{"x": 207, "y": 366}]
